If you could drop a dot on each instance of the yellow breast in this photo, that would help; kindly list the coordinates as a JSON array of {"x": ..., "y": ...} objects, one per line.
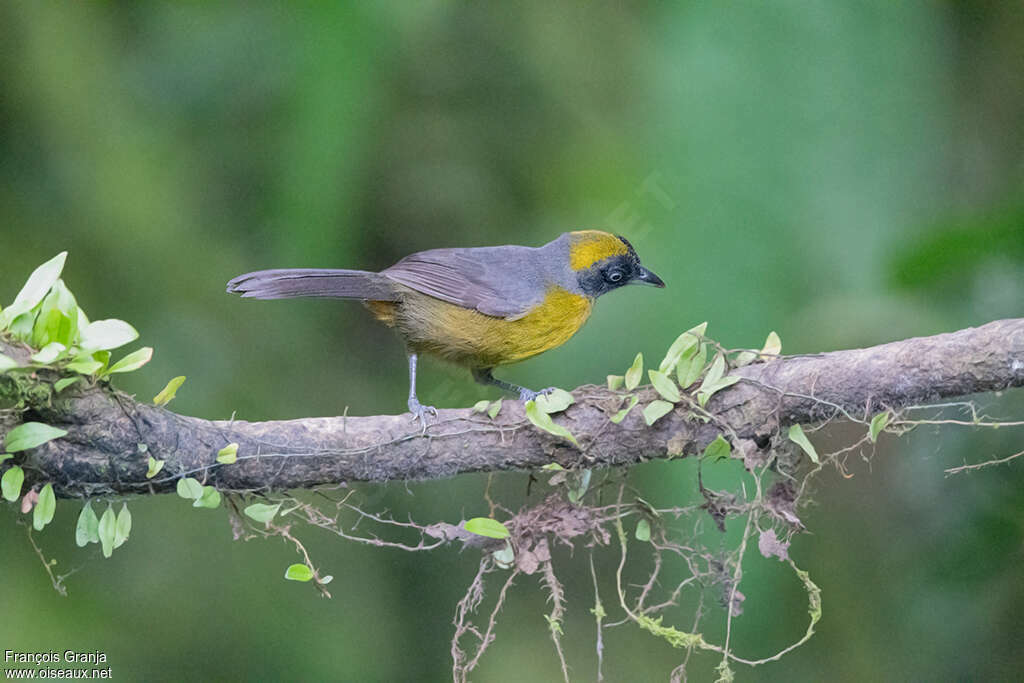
[{"x": 471, "y": 338}]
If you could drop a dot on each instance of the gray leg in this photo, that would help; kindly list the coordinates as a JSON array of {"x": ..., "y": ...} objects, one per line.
[
  {"x": 418, "y": 410},
  {"x": 484, "y": 376}
]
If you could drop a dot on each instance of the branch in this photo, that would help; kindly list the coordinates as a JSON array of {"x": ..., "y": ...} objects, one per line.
[{"x": 110, "y": 435}]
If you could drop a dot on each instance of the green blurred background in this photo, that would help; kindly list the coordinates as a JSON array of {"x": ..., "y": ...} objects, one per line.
[{"x": 843, "y": 173}]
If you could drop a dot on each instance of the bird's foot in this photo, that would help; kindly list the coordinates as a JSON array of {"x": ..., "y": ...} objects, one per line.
[
  {"x": 419, "y": 412},
  {"x": 530, "y": 395}
]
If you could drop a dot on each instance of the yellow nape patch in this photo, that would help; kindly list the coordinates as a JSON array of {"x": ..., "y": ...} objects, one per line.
[{"x": 587, "y": 247}]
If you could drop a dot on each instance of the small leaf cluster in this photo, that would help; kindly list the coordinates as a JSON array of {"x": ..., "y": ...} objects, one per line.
[
  {"x": 575, "y": 482},
  {"x": 201, "y": 496},
  {"x": 540, "y": 410},
  {"x": 109, "y": 530},
  {"x": 492, "y": 408},
  {"x": 46, "y": 316},
  {"x": 492, "y": 528},
  {"x": 22, "y": 438},
  {"x": 685, "y": 363},
  {"x": 301, "y": 572},
  {"x": 796, "y": 434},
  {"x": 304, "y": 573},
  {"x": 682, "y": 366}
]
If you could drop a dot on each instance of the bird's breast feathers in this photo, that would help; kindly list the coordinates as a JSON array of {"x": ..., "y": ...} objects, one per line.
[{"x": 468, "y": 337}]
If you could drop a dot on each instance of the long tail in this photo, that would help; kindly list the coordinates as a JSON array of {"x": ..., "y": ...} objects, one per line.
[{"x": 287, "y": 283}]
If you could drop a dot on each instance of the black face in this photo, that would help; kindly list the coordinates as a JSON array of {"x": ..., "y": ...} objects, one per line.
[{"x": 614, "y": 272}]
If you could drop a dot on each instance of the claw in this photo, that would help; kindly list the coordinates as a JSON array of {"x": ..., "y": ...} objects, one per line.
[
  {"x": 419, "y": 412},
  {"x": 530, "y": 395}
]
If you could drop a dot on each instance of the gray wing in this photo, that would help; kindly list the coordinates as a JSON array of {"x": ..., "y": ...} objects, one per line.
[{"x": 504, "y": 282}]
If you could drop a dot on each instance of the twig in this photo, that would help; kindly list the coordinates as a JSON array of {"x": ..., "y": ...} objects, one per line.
[{"x": 980, "y": 465}]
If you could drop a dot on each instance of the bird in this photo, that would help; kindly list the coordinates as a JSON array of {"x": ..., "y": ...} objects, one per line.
[{"x": 478, "y": 307}]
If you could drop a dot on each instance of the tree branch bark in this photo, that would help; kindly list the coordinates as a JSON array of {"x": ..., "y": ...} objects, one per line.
[{"x": 110, "y": 435}]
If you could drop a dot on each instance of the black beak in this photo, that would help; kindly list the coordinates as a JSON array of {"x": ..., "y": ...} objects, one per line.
[{"x": 646, "y": 277}]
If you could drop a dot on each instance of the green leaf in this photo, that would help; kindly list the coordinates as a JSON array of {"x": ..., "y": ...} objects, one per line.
[
  {"x": 643, "y": 530},
  {"x": 298, "y": 572},
  {"x": 505, "y": 557},
  {"x": 576, "y": 494},
  {"x": 772, "y": 345},
  {"x": 621, "y": 415},
  {"x": 49, "y": 322},
  {"x": 133, "y": 361},
  {"x": 553, "y": 467},
  {"x": 683, "y": 343},
  {"x": 67, "y": 334},
  {"x": 30, "y": 435},
  {"x": 714, "y": 380},
  {"x": 7, "y": 363},
  {"x": 63, "y": 384},
  {"x": 123, "y": 527},
  {"x": 5, "y": 456},
  {"x": 718, "y": 449},
  {"x": 495, "y": 408},
  {"x": 262, "y": 512},
  {"x": 485, "y": 526},
  {"x": 154, "y": 467},
  {"x": 189, "y": 488},
  {"x": 228, "y": 455},
  {"x": 635, "y": 372},
  {"x": 11, "y": 483},
  {"x": 49, "y": 353},
  {"x": 543, "y": 421},
  {"x": 88, "y": 528},
  {"x": 42, "y": 513},
  {"x": 689, "y": 368},
  {"x": 102, "y": 335},
  {"x": 210, "y": 498},
  {"x": 481, "y": 406},
  {"x": 878, "y": 423},
  {"x": 21, "y": 327},
  {"x": 555, "y": 401},
  {"x": 107, "y": 531},
  {"x": 655, "y": 410},
  {"x": 744, "y": 358},
  {"x": 35, "y": 289},
  {"x": 44, "y": 322},
  {"x": 85, "y": 364},
  {"x": 664, "y": 385},
  {"x": 169, "y": 392},
  {"x": 615, "y": 382},
  {"x": 797, "y": 436},
  {"x": 715, "y": 372}
]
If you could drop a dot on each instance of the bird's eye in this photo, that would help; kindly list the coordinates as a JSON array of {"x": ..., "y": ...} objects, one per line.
[{"x": 614, "y": 276}]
